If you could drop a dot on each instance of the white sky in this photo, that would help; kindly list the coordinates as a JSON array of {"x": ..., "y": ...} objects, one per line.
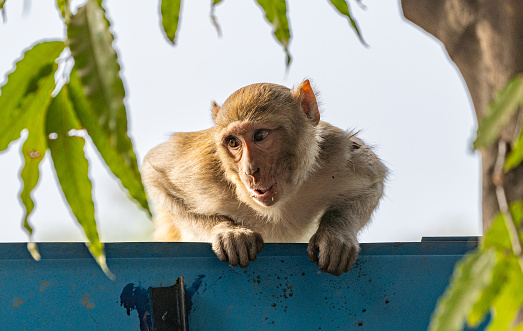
[{"x": 404, "y": 94}]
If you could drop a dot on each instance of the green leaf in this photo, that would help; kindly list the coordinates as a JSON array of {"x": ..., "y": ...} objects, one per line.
[
  {"x": 489, "y": 294},
  {"x": 502, "y": 108},
  {"x": 516, "y": 155},
  {"x": 2, "y": 10},
  {"x": 170, "y": 11},
  {"x": 66, "y": 144},
  {"x": 98, "y": 95},
  {"x": 34, "y": 147},
  {"x": 37, "y": 62},
  {"x": 509, "y": 300},
  {"x": 276, "y": 14},
  {"x": 65, "y": 9},
  {"x": 343, "y": 8},
  {"x": 498, "y": 236},
  {"x": 471, "y": 276}
]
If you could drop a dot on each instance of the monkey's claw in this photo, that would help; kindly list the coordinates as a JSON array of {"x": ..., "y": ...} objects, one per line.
[
  {"x": 334, "y": 254},
  {"x": 237, "y": 246}
]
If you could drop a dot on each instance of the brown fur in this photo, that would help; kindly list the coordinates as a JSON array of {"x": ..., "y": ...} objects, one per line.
[{"x": 268, "y": 170}]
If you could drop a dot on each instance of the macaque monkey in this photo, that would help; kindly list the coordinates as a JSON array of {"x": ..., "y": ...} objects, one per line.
[{"x": 268, "y": 171}]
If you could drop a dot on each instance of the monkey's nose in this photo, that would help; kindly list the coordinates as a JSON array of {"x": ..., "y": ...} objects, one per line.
[{"x": 253, "y": 174}]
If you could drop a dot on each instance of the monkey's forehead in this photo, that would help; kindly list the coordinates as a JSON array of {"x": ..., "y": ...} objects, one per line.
[
  {"x": 245, "y": 127},
  {"x": 258, "y": 97}
]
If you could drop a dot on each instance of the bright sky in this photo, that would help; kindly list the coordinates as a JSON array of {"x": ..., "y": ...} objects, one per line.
[{"x": 403, "y": 93}]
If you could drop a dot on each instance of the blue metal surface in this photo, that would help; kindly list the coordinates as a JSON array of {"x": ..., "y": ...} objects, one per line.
[{"x": 391, "y": 287}]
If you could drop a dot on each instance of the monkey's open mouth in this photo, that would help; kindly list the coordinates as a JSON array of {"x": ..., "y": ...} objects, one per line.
[
  {"x": 262, "y": 191},
  {"x": 265, "y": 195}
]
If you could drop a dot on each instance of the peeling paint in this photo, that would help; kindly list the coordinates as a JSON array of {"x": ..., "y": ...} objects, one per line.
[
  {"x": 192, "y": 290},
  {"x": 86, "y": 303},
  {"x": 17, "y": 301},
  {"x": 137, "y": 298},
  {"x": 44, "y": 285}
]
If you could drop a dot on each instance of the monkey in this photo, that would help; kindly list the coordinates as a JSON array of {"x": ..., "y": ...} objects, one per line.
[{"x": 267, "y": 171}]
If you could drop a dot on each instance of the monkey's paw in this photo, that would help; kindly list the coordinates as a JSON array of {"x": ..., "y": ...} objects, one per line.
[
  {"x": 337, "y": 253},
  {"x": 236, "y": 245}
]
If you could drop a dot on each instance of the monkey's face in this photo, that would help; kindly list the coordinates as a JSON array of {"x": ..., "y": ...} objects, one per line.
[{"x": 252, "y": 151}]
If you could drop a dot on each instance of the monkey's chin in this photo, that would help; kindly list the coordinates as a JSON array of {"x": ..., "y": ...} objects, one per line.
[{"x": 265, "y": 196}]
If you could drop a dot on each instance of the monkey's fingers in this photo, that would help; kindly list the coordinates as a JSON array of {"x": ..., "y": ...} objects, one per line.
[
  {"x": 325, "y": 255},
  {"x": 242, "y": 250},
  {"x": 353, "y": 255},
  {"x": 255, "y": 246},
  {"x": 219, "y": 249},
  {"x": 334, "y": 263},
  {"x": 312, "y": 249}
]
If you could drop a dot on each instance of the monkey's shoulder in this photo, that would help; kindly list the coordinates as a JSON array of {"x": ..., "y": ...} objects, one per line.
[
  {"x": 187, "y": 165},
  {"x": 342, "y": 151},
  {"x": 335, "y": 142}
]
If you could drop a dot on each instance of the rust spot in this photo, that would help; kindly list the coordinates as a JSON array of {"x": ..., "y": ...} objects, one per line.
[
  {"x": 17, "y": 301},
  {"x": 360, "y": 323},
  {"x": 101, "y": 288},
  {"x": 44, "y": 285},
  {"x": 86, "y": 303},
  {"x": 34, "y": 154}
]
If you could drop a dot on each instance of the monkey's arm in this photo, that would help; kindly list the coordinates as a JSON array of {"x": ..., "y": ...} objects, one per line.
[
  {"x": 231, "y": 242},
  {"x": 336, "y": 237},
  {"x": 175, "y": 190}
]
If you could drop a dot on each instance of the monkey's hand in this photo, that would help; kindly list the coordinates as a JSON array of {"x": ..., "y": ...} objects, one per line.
[
  {"x": 235, "y": 244},
  {"x": 337, "y": 252}
]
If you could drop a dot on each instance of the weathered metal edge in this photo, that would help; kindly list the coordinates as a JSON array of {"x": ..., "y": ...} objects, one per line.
[{"x": 133, "y": 250}]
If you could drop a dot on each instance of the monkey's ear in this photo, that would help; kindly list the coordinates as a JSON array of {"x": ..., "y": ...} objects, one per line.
[
  {"x": 215, "y": 110},
  {"x": 307, "y": 99}
]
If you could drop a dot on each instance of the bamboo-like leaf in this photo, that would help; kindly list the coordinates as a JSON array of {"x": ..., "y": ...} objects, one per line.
[
  {"x": 170, "y": 11},
  {"x": 516, "y": 155},
  {"x": 509, "y": 300},
  {"x": 489, "y": 294},
  {"x": 214, "y": 20},
  {"x": 471, "y": 276},
  {"x": 22, "y": 82},
  {"x": 98, "y": 98},
  {"x": 501, "y": 109},
  {"x": 343, "y": 8},
  {"x": 276, "y": 14},
  {"x": 34, "y": 147},
  {"x": 66, "y": 144}
]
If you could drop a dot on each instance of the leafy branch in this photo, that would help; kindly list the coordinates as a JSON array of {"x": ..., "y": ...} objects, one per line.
[
  {"x": 491, "y": 277},
  {"x": 90, "y": 102}
]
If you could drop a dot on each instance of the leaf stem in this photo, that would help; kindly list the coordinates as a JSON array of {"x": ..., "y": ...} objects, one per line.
[{"x": 497, "y": 179}]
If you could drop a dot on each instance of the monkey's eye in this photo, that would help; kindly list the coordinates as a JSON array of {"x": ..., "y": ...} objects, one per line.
[
  {"x": 232, "y": 142},
  {"x": 259, "y": 135}
]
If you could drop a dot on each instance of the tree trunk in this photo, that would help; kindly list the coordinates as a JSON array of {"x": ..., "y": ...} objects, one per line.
[{"x": 485, "y": 40}]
